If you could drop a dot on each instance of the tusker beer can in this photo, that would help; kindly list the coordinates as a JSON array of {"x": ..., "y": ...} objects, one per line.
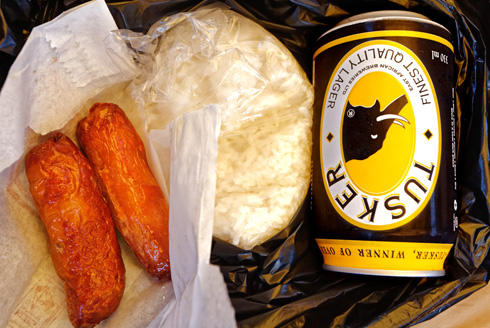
[{"x": 384, "y": 156}]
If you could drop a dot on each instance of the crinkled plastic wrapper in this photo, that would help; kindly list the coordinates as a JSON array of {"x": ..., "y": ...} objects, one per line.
[
  {"x": 280, "y": 282},
  {"x": 215, "y": 56}
]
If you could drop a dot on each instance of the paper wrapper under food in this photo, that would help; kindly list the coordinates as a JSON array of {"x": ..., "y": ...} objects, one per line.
[{"x": 62, "y": 70}]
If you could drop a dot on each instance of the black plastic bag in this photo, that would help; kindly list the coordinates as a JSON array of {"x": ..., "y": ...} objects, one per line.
[{"x": 281, "y": 283}]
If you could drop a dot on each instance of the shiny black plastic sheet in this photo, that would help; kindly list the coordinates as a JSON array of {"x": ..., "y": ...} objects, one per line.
[{"x": 281, "y": 283}]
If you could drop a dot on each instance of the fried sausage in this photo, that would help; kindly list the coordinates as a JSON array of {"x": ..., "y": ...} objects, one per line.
[
  {"x": 137, "y": 203},
  {"x": 82, "y": 236}
]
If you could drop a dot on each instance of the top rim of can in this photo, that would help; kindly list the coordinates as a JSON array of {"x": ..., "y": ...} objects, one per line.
[{"x": 383, "y": 15}]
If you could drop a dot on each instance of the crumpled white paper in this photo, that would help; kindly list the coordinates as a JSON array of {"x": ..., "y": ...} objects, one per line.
[
  {"x": 62, "y": 64},
  {"x": 63, "y": 68}
]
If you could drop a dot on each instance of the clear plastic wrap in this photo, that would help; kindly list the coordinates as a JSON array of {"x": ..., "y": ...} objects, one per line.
[{"x": 214, "y": 56}]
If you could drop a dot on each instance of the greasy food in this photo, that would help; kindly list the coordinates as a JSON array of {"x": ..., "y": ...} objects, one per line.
[
  {"x": 137, "y": 203},
  {"x": 82, "y": 237}
]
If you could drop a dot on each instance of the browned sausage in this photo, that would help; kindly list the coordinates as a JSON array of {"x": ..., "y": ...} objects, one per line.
[
  {"x": 137, "y": 203},
  {"x": 82, "y": 237}
]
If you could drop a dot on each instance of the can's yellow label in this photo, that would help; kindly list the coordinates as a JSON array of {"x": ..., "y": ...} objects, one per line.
[
  {"x": 380, "y": 136},
  {"x": 383, "y": 255}
]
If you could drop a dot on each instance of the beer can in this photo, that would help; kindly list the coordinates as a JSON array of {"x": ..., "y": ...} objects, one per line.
[{"x": 384, "y": 150}]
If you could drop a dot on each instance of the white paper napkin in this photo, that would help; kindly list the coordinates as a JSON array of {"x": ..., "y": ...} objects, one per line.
[{"x": 63, "y": 63}]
